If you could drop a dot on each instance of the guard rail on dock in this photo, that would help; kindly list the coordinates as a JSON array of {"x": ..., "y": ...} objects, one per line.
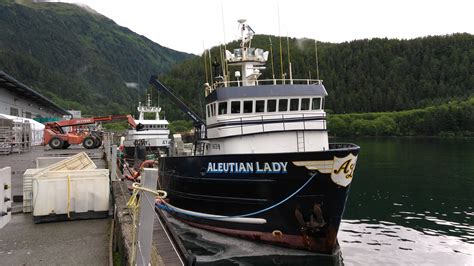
[{"x": 156, "y": 241}]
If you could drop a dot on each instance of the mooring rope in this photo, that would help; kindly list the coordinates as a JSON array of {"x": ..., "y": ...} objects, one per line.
[
  {"x": 170, "y": 208},
  {"x": 133, "y": 203}
]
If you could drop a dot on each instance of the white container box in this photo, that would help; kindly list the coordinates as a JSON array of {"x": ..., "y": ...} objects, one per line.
[
  {"x": 28, "y": 189},
  {"x": 77, "y": 162},
  {"x": 42, "y": 162},
  {"x": 85, "y": 194}
]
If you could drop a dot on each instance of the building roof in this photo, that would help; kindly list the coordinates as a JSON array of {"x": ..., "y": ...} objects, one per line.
[{"x": 14, "y": 86}]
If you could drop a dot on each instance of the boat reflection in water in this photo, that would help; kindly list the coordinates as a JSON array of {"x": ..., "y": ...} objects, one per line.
[{"x": 363, "y": 242}]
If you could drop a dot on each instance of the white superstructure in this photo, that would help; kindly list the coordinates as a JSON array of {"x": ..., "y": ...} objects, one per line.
[
  {"x": 249, "y": 115},
  {"x": 155, "y": 131}
]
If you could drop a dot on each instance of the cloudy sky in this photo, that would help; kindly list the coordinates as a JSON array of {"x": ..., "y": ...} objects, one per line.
[{"x": 192, "y": 25}]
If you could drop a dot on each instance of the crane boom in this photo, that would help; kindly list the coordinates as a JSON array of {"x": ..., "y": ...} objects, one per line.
[
  {"x": 92, "y": 120},
  {"x": 198, "y": 121},
  {"x": 57, "y": 138}
]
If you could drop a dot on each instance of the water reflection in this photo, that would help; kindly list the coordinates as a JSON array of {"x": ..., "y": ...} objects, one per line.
[
  {"x": 215, "y": 249},
  {"x": 388, "y": 243},
  {"x": 363, "y": 242}
]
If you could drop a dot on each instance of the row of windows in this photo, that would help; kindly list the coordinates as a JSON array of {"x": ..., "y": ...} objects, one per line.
[
  {"x": 155, "y": 126},
  {"x": 260, "y": 106},
  {"x": 15, "y": 112}
]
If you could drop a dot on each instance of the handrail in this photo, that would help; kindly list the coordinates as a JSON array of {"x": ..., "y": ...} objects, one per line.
[
  {"x": 238, "y": 83},
  {"x": 283, "y": 116},
  {"x": 277, "y": 119}
]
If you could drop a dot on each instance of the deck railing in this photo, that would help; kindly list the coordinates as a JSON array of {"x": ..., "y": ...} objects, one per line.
[{"x": 238, "y": 83}]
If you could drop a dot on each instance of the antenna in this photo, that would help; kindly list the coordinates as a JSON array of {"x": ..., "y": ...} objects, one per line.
[
  {"x": 317, "y": 62},
  {"x": 281, "y": 52},
  {"x": 289, "y": 58},
  {"x": 210, "y": 65},
  {"x": 242, "y": 29},
  {"x": 222, "y": 64},
  {"x": 225, "y": 65},
  {"x": 205, "y": 62},
  {"x": 271, "y": 55}
]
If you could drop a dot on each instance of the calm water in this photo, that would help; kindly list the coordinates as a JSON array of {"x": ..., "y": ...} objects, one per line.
[{"x": 411, "y": 202}]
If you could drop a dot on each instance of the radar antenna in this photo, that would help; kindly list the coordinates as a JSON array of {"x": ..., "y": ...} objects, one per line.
[{"x": 246, "y": 31}]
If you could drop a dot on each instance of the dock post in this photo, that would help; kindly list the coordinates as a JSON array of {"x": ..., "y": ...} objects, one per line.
[
  {"x": 107, "y": 147},
  {"x": 147, "y": 215},
  {"x": 113, "y": 161}
]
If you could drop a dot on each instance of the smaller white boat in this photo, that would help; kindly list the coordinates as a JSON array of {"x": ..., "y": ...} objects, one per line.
[{"x": 155, "y": 133}]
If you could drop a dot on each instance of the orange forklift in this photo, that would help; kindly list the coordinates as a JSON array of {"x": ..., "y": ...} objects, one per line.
[{"x": 58, "y": 138}]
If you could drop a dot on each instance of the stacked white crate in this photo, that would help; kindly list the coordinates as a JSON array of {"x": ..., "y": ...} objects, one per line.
[
  {"x": 21, "y": 135},
  {"x": 79, "y": 161},
  {"x": 6, "y": 135},
  {"x": 76, "y": 191}
]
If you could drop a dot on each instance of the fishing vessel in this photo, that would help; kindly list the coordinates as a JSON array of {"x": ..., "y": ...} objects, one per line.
[
  {"x": 262, "y": 167},
  {"x": 155, "y": 133}
]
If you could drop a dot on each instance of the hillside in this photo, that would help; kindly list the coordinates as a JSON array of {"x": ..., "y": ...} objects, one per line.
[
  {"x": 452, "y": 119},
  {"x": 82, "y": 60},
  {"x": 77, "y": 57},
  {"x": 376, "y": 75}
]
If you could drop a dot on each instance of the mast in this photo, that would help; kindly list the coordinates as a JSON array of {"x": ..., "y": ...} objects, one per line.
[{"x": 251, "y": 60}]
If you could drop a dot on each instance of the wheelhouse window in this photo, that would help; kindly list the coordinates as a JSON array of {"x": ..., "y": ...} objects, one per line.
[
  {"x": 316, "y": 104},
  {"x": 213, "y": 109},
  {"x": 208, "y": 109},
  {"x": 294, "y": 104},
  {"x": 271, "y": 105},
  {"x": 235, "y": 107},
  {"x": 304, "y": 104},
  {"x": 248, "y": 107},
  {"x": 283, "y": 105},
  {"x": 260, "y": 106},
  {"x": 222, "y": 108}
]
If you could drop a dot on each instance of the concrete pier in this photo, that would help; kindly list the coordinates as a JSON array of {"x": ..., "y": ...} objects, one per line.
[{"x": 84, "y": 242}]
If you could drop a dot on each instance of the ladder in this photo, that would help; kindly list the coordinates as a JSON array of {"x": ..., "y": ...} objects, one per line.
[{"x": 300, "y": 141}]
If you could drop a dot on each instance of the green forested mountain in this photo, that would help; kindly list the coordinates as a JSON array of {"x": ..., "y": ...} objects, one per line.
[
  {"x": 82, "y": 60},
  {"x": 374, "y": 75},
  {"x": 77, "y": 57}
]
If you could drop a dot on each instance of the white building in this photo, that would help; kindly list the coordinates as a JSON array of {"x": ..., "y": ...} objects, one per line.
[{"x": 17, "y": 99}]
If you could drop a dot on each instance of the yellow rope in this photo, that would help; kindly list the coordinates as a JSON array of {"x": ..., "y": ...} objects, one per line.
[
  {"x": 133, "y": 203},
  {"x": 158, "y": 193}
]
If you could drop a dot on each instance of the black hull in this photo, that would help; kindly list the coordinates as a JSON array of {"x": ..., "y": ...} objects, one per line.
[{"x": 301, "y": 203}]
